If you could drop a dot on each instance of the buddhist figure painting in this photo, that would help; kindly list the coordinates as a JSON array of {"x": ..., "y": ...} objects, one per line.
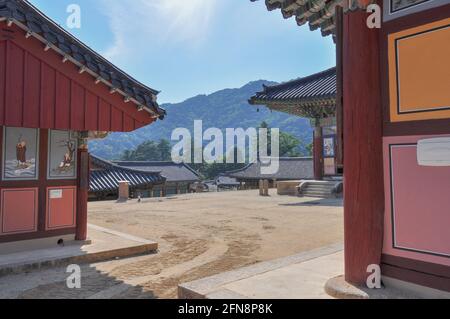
[
  {"x": 62, "y": 152},
  {"x": 20, "y": 153}
]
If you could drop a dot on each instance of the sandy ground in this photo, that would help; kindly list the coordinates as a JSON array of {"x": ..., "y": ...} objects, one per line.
[{"x": 199, "y": 235}]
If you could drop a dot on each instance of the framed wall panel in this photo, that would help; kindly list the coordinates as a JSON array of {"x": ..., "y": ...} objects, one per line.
[
  {"x": 19, "y": 211},
  {"x": 329, "y": 165},
  {"x": 61, "y": 207},
  {"x": 417, "y": 214},
  {"x": 419, "y": 72}
]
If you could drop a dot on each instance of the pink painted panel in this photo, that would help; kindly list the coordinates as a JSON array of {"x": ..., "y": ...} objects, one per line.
[
  {"x": 61, "y": 207},
  {"x": 417, "y": 219},
  {"x": 19, "y": 211}
]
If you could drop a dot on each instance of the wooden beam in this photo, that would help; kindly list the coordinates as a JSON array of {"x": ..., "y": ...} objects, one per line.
[{"x": 363, "y": 160}]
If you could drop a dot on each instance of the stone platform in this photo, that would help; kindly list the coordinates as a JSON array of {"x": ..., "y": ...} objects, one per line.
[{"x": 103, "y": 244}]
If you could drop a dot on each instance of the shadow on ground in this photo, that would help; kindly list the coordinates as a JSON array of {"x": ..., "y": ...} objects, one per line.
[
  {"x": 319, "y": 202},
  {"x": 94, "y": 285}
]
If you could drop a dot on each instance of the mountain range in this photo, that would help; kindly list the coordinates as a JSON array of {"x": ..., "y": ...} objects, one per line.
[{"x": 228, "y": 108}]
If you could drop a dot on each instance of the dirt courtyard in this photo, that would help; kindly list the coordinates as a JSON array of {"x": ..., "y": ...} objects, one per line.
[{"x": 199, "y": 235}]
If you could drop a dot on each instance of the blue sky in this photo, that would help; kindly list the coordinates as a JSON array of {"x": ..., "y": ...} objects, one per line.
[{"x": 189, "y": 47}]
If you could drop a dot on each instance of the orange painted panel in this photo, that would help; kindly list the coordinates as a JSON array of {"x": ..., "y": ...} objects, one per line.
[
  {"x": 419, "y": 72},
  {"x": 61, "y": 207},
  {"x": 19, "y": 210}
]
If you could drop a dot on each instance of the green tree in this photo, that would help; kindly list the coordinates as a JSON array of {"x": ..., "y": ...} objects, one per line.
[
  {"x": 289, "y": 144},
  {"x": 309, "y": 149},
  {"x": 165, "y": 150},
  {"x": 149, "y": 151},
  {"x": 127, "y": 155}
]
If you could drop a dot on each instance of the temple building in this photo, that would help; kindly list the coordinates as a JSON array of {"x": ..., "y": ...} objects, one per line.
[
  {"x": 55, "y": 94},
  {"x": 179, "y": 178},
  {"x": 144, "y": 179},
  {"x": 105, "y": 178},
  {"x": 290, "y": 169},
  {"x": 393, "y": 116},
  {"x": 312, "y": 97}
]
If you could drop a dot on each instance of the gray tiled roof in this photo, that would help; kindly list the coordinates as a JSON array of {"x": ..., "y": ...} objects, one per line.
[
  {"x": 171, "y": 171},
  {"x": 318, "y": 13},
  {"x": 291, "y": 168},
  {"x": 319, "y": 87},
  {"x": 106, "y": 176},
  {"x": 37, "y": 24}
]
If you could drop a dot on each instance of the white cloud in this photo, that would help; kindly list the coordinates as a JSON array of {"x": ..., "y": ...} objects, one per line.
[{"x": 138, "y": 23}]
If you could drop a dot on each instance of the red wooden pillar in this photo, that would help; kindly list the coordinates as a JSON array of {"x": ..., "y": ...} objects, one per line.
[
  {"x": 339, "y": 90},
  {"x": 82, "y": 192},
  {"x": 318, "y": 152},
  {"x": 363, "y": 179}
]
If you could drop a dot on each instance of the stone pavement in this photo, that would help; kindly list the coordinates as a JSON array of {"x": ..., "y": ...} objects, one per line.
[
  {"x": 302, "y": 276},
  {"x": 316, "y": 274}
]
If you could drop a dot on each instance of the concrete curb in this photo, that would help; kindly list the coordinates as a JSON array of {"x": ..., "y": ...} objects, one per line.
[
  {"x": 142, "y": 247},
  {"x": 81, "y": 259}
]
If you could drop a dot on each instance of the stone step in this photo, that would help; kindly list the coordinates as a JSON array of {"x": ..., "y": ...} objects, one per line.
[
  {"x": 324, "y": 184},
  {"x": 316, "y": 194},
  {"x": 308, "y": 190},
  {"x": 320, "y": 188}
]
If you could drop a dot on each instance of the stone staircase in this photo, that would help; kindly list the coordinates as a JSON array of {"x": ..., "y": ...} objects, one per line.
[{"x": 321, "y": 189}]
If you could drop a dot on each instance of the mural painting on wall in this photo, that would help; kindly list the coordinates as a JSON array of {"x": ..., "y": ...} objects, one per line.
[
  {"x": 62, "y": 150},
  {"x": 20, "y": 153},
  {"x": 328, "y": 146}
]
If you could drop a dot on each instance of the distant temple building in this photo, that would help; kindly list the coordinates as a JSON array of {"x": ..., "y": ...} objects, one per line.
[
  {"x": 105, "y": 177},
  {"x": 145, "y": 179},
  {"x": 291, "y": 168},
  {"x": 312, "y": 97},
  {"x": 179, "y": 178}
]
